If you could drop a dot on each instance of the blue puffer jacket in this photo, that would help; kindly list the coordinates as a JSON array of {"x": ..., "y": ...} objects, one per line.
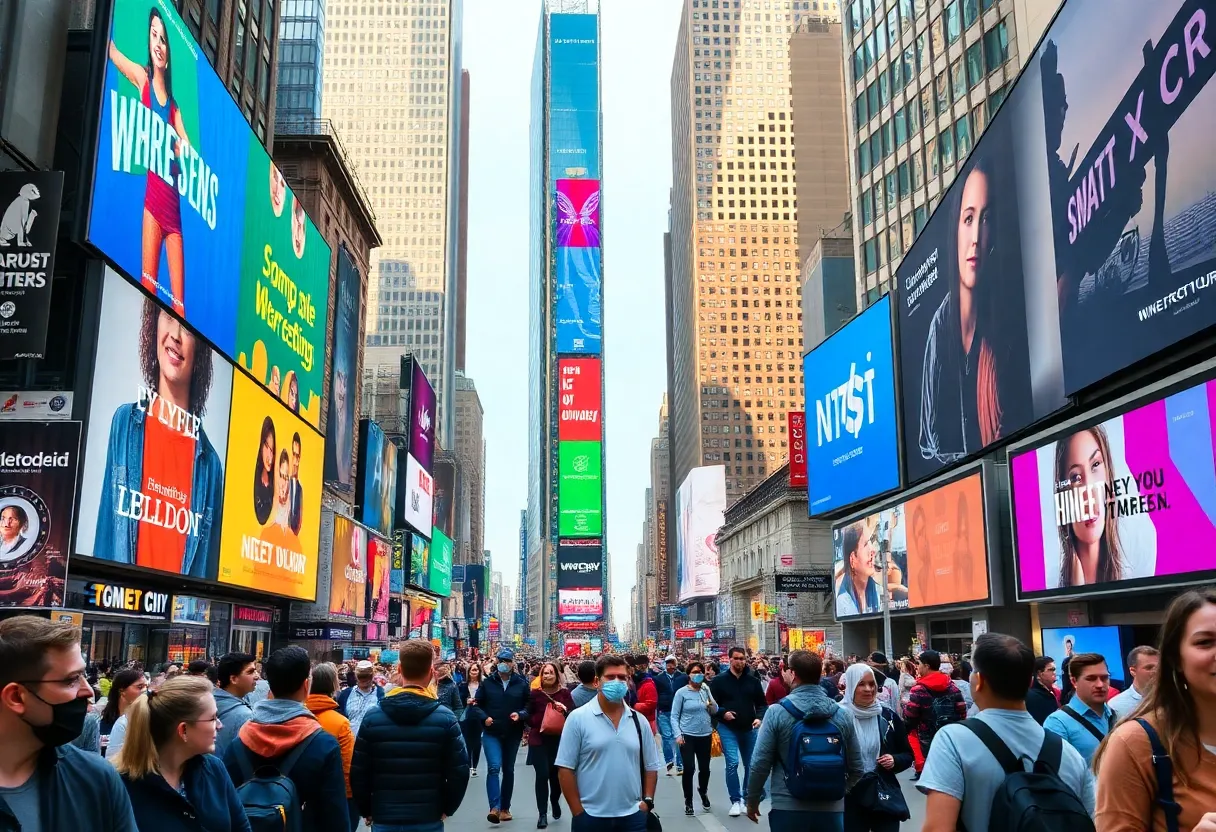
[
  {"x": 667, "y": 687},
  {"x": 210, "y": 805},
  {"x": 497, "y": 703}
]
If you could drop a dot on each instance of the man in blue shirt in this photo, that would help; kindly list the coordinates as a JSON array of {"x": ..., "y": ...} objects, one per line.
[{"x": 1086, "y": 719}]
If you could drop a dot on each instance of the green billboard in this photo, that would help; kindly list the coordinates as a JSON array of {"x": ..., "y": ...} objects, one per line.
[
  {"x": 580, "y": 489},
  {"x": 439, "y": 578}
]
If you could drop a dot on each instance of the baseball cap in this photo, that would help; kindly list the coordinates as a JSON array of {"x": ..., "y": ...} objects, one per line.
[
  {"x": 363, "y": 665},
  {"x": 506, "y": 654},
  {"x": 669, "y": 659}
]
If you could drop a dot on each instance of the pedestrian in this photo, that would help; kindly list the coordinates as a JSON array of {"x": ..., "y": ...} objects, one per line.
[
  {"x": 830, "y": 680},
  {"x": 238, "y": 676},
  {"x": 128, "y": 685},
  {"x": 933, "y": 703},
  {"x": 167, "y": 761},
  {"x": 888, "y": 688},
  {"x": 963, "y": 772},
  {"x": 1171, "y": 738},
  {"x": 355, "y": 701},
  {"x": 1043, "y": 699},
  {"x": 647, "y": 692},
  {"x": 692, "y": 711},
  {"x": 741, "y": 705},
  {"x": 603, "y": 745},
  {"x": 470, "y": 726},
  {"x": 807, "y": 700},
  {"x": 1142, "y": 664},
  {"x": 960, "y": 674},
  {"x": 261, "y": 688},
  {"x": 410, "y": 770},
  {"x": 198, "y": 667},
  {"x": 46, "y": 784},
  {"x": 1086, "y": 720},
  {"x": 284, "y": 734},
  {"x": 777, "y": 689},
  {"x": 907, "y": 681},
  {"x": 666, "y": 684},
  {"x": 883, "y": 743},
  {"x": 586, "y": 690},
  {"x": 544, "y": 735},
  {"x": 446, "y": 690},
  {"x": 322, "y": 704},
  {"x": 502, "y": 706}
]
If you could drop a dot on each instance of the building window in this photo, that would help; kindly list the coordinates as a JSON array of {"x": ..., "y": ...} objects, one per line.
[
  {"x": 910, "y": 67},
  {"x": 892, "y": 191},
  {"x": 971, "y": 12},
  {"x": 941, "y": 84},
  {"x": 867, "y": 207},
  {"x": 934, "y": 159},
  {"x": 893, "y": 250},
  {"x": 954, "y": 22},
  {"x": 884, "y": 90},
  {"x": 879, "y": 202},
  {"x": 958, "y": 81},
  {"x": 905, "y": 179},
  {"x": 946, "y": 146},
  {"x": 996, "y": 46},
  {"x": 995, "y": 100},
  {"x": 975, "y": 64},
  {"x": 920, "y": 216},
  {"x": 861, "y": 111},
  {"x": 870, "y": 254},
  {"x": 937, "y": 38},
  {"x": 962, "y": 136},
  {"x": 918, "y": 169},
  {"x": 893, "y": 26},
  {"x": 901, "y": 128}
]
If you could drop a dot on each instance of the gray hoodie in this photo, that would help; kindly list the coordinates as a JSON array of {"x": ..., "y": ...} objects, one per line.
[
  {"x": 233, "y": 713},
  {"x": 773, "y": 742}
]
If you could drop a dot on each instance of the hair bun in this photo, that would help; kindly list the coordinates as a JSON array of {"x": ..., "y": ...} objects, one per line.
[{"x": 151, "y": 693}]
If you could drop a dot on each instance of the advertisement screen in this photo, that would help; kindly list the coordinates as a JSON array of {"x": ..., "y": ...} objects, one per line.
[
  {"x": 439, "y": 573},
  {"x": 1123, "y": 502},
  {"x": 377, "y": 489},
  {"x": 1062, "y": 643},
  {"x": 578, "y": 301},
  {"x": 379, "y": 557},
  {"x": 934, "y": 545},
  {"x": 700, "y": 504},
  {"x": 580, "y": 564},
  {"x": 420, "y": 561},
  {"x": 474, "y": 591},
  {"x": 344, "y": 353},
  {"x": 422, "y": 418},
  {"x": 38, "y": 464},
  {"x": 578, "y": 413},
  {"x": 157, "y": 445},
  {"x": 578, "y": 213},
  {"x": 417, "y": 498},
  {"x": 272, "y": 497},
  {"x": 580, "y": 604},
  {"x": 31, "y": 203},
  {"x": 579, "y": 489},
  {"x": 853, "y": 448},
  {"x": 348, "y": 586},
  {"x": 574, "y": 130},
  {"x": 187, "y": 203},
  {"x": 445, "y": 497},
  {"x": 397, "y": 563}
]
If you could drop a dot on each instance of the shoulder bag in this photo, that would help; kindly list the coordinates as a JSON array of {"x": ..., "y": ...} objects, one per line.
[
  {"x": 653, "y": 824},
  {"x": 554, "y": 720},
  {"x": 1163, "y": 768},
  {"x": 878, "y": 791}
]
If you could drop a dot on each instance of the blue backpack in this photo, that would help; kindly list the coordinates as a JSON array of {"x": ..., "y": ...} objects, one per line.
[
  {"x": 268, "y": 794},
  {"x": 815, "y": 767}
]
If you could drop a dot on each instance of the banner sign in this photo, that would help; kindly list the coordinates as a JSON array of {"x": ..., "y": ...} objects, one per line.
[
  {"x": 135, "y": 600},
  {"x": 415, "y": 495},
  {"x": 579, "y": 310},
  {"x": 348, "y": 581},
  {"x": 580, "y": 489},
  {"x": 376, "y": 487},
  {"x": 803, "y": 583},
  {"x": 29, "y": 228},
  {"x": 252, "y": 615},
  {"x": 423, "y": 413},
  {"x": 379, "y": 554},
  {"x": 661, "y": 546},
  {"x": 326, "y": 632},
  {"x": 35, "y": 405},
  {"x": 796, "y": 423},
  {"x": 580, "y": 399},
  {"x": 700, "y": 504},
  {"x": 439, "y": 573}
]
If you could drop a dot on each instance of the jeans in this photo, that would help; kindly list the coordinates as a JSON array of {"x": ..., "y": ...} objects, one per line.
[
  {"x": 695, "y": 752},
  {"x": 437, "y": 826},
  {"x": 630, "y": 823},
  {"x": 791, "y": 820},
  {"x": 735, "y": 746},
  {"x": 670, "y": 752},
  {"x": 501, "y": 751},
  {"x": 471, "y": 729},
  {"x": 547, "y": 788}
]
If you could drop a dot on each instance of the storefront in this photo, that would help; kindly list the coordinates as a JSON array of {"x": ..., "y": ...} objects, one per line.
[
  {"x": 197, "y": 629},
  {"x": 118, "y": 619},
  {"x": 251, "y": 630}
]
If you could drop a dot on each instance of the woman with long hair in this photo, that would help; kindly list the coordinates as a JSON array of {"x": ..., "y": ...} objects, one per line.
[
  {"x": 858, "y": 590},
  {"x": 885, "y": 751},
  {"x": 691, "y": 710},
  {"x": 129, "y": 685},
  {"x": 542, "y": 748},
  {"x": 1170, "y": 737},
  {"x": 263, "y": 473},
  {"x": 1090, "y": 551},
  {"x": 470, "y": 727},
  {"x": 323, "y": 704},
  {"x": 168, "y": 763}
]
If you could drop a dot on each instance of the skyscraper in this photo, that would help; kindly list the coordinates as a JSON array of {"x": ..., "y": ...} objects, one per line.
[{"x": 301, "y": 63}]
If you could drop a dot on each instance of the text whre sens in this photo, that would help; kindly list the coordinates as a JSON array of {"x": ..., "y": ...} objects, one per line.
[{"x": 299, "y": 306}]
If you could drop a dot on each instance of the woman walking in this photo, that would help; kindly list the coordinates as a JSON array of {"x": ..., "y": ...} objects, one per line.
[
  {"x": 691, "y": 709},
  {"x": 884, "y": 751},
  {"x": 322, "y": 703},
  {"x": 128, "y": 686},
  {"x": 469, "y": 726},
  {"x": 543, "y": 739}
]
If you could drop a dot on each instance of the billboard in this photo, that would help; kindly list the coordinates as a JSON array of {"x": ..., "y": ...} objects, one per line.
[
  {"x": 38, "y": 465},
  {"x": 580, "y": 564},
  {"x": 422, "y": 418},
  {"x": 700, "y": 504},
  {"x": 580, "y": 489},
  {"x": 580, "y": 400},
  {"x": 343, "y": 357},
  {"x": 416, "y": 495},
  {"x": 439, "y": 573},
  {"x": 473, "y": 592},
  {"x": 574, "y": 128},
  {"x": 188, "y": 204},
  {"x": 379, "y": 558},
  {"x": 348, "y": 584},
  {"x": 420, "y": 560},
  {"x": 31, "y": 226},
  {"x": 934, "y": 545},
  {"x": 1119, "y": 502},
  {"x": 269, "y": 539},
  {"x": 579, "y": 314},
  {"x": 444, "y": 511},
  {"x": 377, "y": 482},
  {"x": 796, "y": 424},
  {"x": 853, "y": 447},
  {"x": 661, "y": 544},
  {"x": 580, "y": 604},
  {"x": 157, "y": 446},
  {"x": 1062, "y": 643},
  {"x": 397, "y": 562},
  {"x": 578, "y": 213}
]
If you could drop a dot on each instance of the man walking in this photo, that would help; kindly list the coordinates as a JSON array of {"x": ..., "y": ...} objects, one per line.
[
  {"x": 410, "y": 768},
  {"x": 667, "y": 683},
  {"x": 1142, "y": 664},
  {"x": 741, "y": 706},
  {"x": 933, "y": 703},
  {"x": 1087, "y": 718},
  {"x": 608, "y": 762},
  {"x": 501, "y": 705},
  {"x": 586, "y": 690},
  {"x": 355, "y": 702},
  {"x": 238, "y": 676}
]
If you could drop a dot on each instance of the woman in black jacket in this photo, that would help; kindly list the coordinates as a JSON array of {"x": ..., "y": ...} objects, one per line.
[
  {"x": 470, "y": 727},
  {"x": 167, "y": 765},
  {"x": 885, "y": 751}
]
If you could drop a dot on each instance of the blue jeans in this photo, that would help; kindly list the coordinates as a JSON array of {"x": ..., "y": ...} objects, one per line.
[
  {"x": 500, "y": 757},
  {"x": 790, "y": 820},
  {"x": 669, "y": 740},
  {"x": 437, "y": 826},
  {"x": 735, "y": 746},
  {"x": 629, "y": 823}
]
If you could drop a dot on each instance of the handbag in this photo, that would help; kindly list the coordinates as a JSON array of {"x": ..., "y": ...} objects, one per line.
[
  {"x": 879, "y": 792},
  {"x": 715, "y": 745},
  {"x": 653, "y": 824},
  {"x": 554, "y": 720}
]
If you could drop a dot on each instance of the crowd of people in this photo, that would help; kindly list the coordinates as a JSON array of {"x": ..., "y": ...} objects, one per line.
[{"x": 304, "y": 746}]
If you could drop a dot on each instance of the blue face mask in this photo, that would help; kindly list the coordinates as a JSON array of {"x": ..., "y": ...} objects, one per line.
[
  {"x": 614, "y": 690},
  {"x": 503, "y": 667},
  {"x": 698, "y": 678}
]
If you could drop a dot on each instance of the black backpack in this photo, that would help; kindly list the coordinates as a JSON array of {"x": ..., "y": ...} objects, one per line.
[
  {"x": 1036, "y": 800},
  {"x": 944, "y": 711},
  {"x": 268, "y": 794}
]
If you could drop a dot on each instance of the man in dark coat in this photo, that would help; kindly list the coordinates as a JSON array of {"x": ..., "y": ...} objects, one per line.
[
  {"x": 501, "y": 705},
  {"x": 1041, "y": 700}
]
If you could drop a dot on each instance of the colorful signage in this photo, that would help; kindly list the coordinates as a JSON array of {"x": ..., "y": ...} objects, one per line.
[
  {"x": 1062, "y": 643},
  {"x": 420, "y": 561},
  {"x": 700, "y": 505},
  {"x": 379, "y": 557},
  {"x": 574, "y": 129},
  {"x": 580, "y": 489},
  {"x": 28, "y": 233},
  {"x": 579, "y": 312},
  {"x": 439, "y": 573},
  {"x": 580, "y": 604},
  {"x": 189, "y": 610},
  {"x": 661, "y": 545},
  {"x": 580, "y": 398},
  {"x": 325, "y": 632},
  {"x": 252, "y": 615},
  {"x": 377, "y": 482},
  {"x": 444, "y": 511},
  {"x": 474, "y": 591},
  {"x": 418, "y": 509},
  {"x": 343, "y": 358},
  {"x": 423, "y": 413},
  {"x": 35, "y": 405},
  {"x": 348, "y": 575},
  {"x": 397, "y": 563},
  {"x": 578, "y": 213},
  {"x": 134, "y": 600},
  {"x": 796, "y": 424}
]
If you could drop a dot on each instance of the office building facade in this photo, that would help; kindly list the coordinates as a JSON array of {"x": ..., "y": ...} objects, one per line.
[{"x": 301, "y": 63}]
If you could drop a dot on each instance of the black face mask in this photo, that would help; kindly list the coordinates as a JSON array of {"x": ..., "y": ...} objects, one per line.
[{"x": 67, "y": 721}]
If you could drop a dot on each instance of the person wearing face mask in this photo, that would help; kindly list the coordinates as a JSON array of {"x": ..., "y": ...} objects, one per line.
[
  {"x": 446, "y": 690},
  {"x": 46, "y": 784},
  {"x": 646, "y": 701},
  {"x": 501, "y": 705},
  {"x": 691, "y": 711}
]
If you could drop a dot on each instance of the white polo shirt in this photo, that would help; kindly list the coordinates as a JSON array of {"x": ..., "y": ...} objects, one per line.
[{"x": 606, "y": 759}]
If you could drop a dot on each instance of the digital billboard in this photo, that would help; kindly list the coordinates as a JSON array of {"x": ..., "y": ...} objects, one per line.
[
  {"x": 473, "y": 592},
  {"x": 574, "y": 129},
  {"x": 580, "y": 564},
  {"x": 444, "y": 511},
  {"x": 422, "y": 417},
  {"x": 579, "y": 314},
  {"x": 377, "y": 483},
  {"x": 934, "y": 545},
  {"x": 420, "y": 561},
  {"x": 1062, "y": 643},
  {"x": 578, "y": 213},
  {"x": 348, "y": 581},
  {"x": 580, "y": 489},
  {"x": 187, "y": 203},
  {"x": 157, "y": 445},
  {"x": 439, "y": 571},
  {"x": 379, "y": 558},
  {"x": 1116, "y": 502},
  {"x": 343, "y": 357},
  {"x": 700, "y": 505},
  {"x": 270, "y": 532},
  {"x": 580, "y": 398},
  {"x": 580, "y": 604},
  {"x": 852, "y": 452},
  {"x": 415, "y": 495}
]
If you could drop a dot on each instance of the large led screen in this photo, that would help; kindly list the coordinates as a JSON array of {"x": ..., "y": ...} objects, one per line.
[
  {"x": 348, "y": 581},
  {"x": 934, "y": 547},
  {"x": 580, "y": 580},
  {"x": 422, "y": 417},
  {"x": 578, "y": 213},
  {"x": 700, "y": 505},
  {"x": 579, "y": 313},
  {"x": 377, "y": 491},
  {"x": 580, "y": 399},
  {"x": 272, "y": 497},
  {"x": 379, "y": 559},
  {"x": 416, "y": 495},
  {"x": 852, "y": 452},
  {"x": 444, "y": 508},
  {"x": 187, "y": 203},
  {"x": 1062, "y": 643},
  {"x": 344, "y": 354},
  {"x": 439, "y": 571},
  {"x": 574, "y": 128},
  {"x": 157, "y": 445},
  {"x": 580, "y": 489},
  {"x": 1126, "y": 501}
]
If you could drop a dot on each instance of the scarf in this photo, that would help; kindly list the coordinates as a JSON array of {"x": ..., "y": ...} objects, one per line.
[{"x": 864, "y": 718}]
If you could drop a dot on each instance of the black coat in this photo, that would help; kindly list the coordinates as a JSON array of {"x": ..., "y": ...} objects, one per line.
[
  {"x": 895, "y": 741},
  {"x": 744, "y": 696},
  {"x": 410, "y": 764},
  {"x": 76, "y": 788},
  {"x": 667, "y": 688},
  {"x": 495, "y": 703},
  {"x": 210, "y": 805},
  {"x": 1040, "y": 702}
]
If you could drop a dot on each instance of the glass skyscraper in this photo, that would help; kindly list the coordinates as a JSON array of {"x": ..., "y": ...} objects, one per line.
[{"x": 301, "y": 60}]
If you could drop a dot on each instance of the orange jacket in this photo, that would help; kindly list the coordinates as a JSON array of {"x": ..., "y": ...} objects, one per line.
[{"x": 325, "y": 709}]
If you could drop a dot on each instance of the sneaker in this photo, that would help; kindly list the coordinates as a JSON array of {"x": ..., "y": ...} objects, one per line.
[
  {"x": 542, "y": 822},
  {"x": 670, "y": 766},
  {"x": 493, "y": 816},
  {"x": 688, "y": 808},
  {"x": 736, "y": 808},
  {"x": 679, "y": 772},
  {"x": 705, "y": 799},
  {"x": 505, "y": 816},
  {"x": 557, "y": 810}
]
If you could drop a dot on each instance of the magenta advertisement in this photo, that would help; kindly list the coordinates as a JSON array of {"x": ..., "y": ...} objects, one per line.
[
  {"x": 578, "y": 213},
  {"x": 422, "y": 418},
  {"x": 1128, "y": 499}
]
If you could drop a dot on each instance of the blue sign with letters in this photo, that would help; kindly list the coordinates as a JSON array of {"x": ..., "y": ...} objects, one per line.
[{"x": 852, "y": 445}]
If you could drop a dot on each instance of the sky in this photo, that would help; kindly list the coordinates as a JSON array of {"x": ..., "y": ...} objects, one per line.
[{"x": 637, "y": 46}]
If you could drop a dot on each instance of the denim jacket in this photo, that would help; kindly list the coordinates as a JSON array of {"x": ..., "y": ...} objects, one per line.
[{"x": 117, "y": 535}]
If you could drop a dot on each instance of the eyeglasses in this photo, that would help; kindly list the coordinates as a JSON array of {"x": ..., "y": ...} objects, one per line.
[
  {"x": 72, "y": 682},
  {"x": 215, "y": 718}
]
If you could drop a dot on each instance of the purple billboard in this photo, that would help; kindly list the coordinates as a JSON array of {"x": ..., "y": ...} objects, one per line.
[
  {"x": 578, "y": 213},
  {"x": 422, "y": 417}
]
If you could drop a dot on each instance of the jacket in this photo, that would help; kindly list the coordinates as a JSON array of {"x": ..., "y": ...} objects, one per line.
[
  {"x": 743, "y": 695},
  {"x": 918, "y": 713},
  {"x": 233, "y": 713},
  {"x": 117, "y": 535},
  {"x": 344, "y": 697},
  {"x": 537, "y": 706},
  {"x": 462, "y": 692},
  {"x": 776, "y": 691},
  {"x": 495, "y": 702},
  {"x": 1040, "y": 702},
  {"x": 773, "y": 742},
  {"x": 278, "y": 726},
  {"x": 895, "y": 741},
  {"x": 210, "y": 805},
  {"x": 76, "y": 786},
  {"x": 410, "y": 765},
  {"x": 647, "y": 699},
  {"x": 666, "y": 686},
  {"x": 449, "y": 695},
  {"x": 325, "y": 709}
]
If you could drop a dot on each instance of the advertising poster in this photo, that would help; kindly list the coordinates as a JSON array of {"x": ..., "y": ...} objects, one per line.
[
  {"x": 578, "y": 213},
  {"x": 377, "y": 484},
  {"x": 578, "y": 301},
  {"x": 35, "y": 405},
  {"x": 700, "y": 505},
  {"x": 379, "y": 557},
  {"x": 420, "y": 561},
  {"x": 344, "y": 353},
  {"x": 187, "y": 203},
  {"x": 474, "y": 591},
  {"x": 157, "y": 446},
  {"x": 1127, "y": 501},
  {"x": 852, "y": 448},
  {"x": 581, "y": 398},
  {"x": 422, "y": 418},
  {"x": 38, "y": 465},
  {"x": 580, "y": 604},
  {"x": 661, "y": 557},
  {"x": 439, "y": 572},
  {"x": 579, "y": 489},
  {"x": 574, "y": 130},
  {"x": 272, "y": 497},
  {"x": 397, "y": 564},
  {"x": 1062, "y": 643},
  {"x": 796, "y": 424},
  {"x": 580, "y": 579},
  {"x": 416, "y": 495},
  {"x": 934, "y": 546},
  {"x": 445, "y": 496},
  {"x": 348, "y": 586},
  {"x": 29, "y": 228}
]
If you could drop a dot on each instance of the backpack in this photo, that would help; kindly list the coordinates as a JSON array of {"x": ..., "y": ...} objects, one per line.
[
  {"x": 943, "y": 711},
  {"x": 1030, "y": 801},
  {"x": 268, "y": 794},
  {"x": 815, "y": 768}
]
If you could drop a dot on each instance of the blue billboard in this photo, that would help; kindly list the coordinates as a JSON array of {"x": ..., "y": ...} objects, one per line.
[
  {"x": 574, "y": 141},
  {"x": 852, "y": 443},
  {"x": 579, "y": 316}
]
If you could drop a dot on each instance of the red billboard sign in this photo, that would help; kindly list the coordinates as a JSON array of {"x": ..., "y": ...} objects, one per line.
[
  {"x": 579, "y": 400},
  {"x": 797, "y": 427}
]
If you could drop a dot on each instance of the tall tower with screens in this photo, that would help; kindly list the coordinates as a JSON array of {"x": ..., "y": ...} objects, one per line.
[{"x": 565, "y": 539}]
